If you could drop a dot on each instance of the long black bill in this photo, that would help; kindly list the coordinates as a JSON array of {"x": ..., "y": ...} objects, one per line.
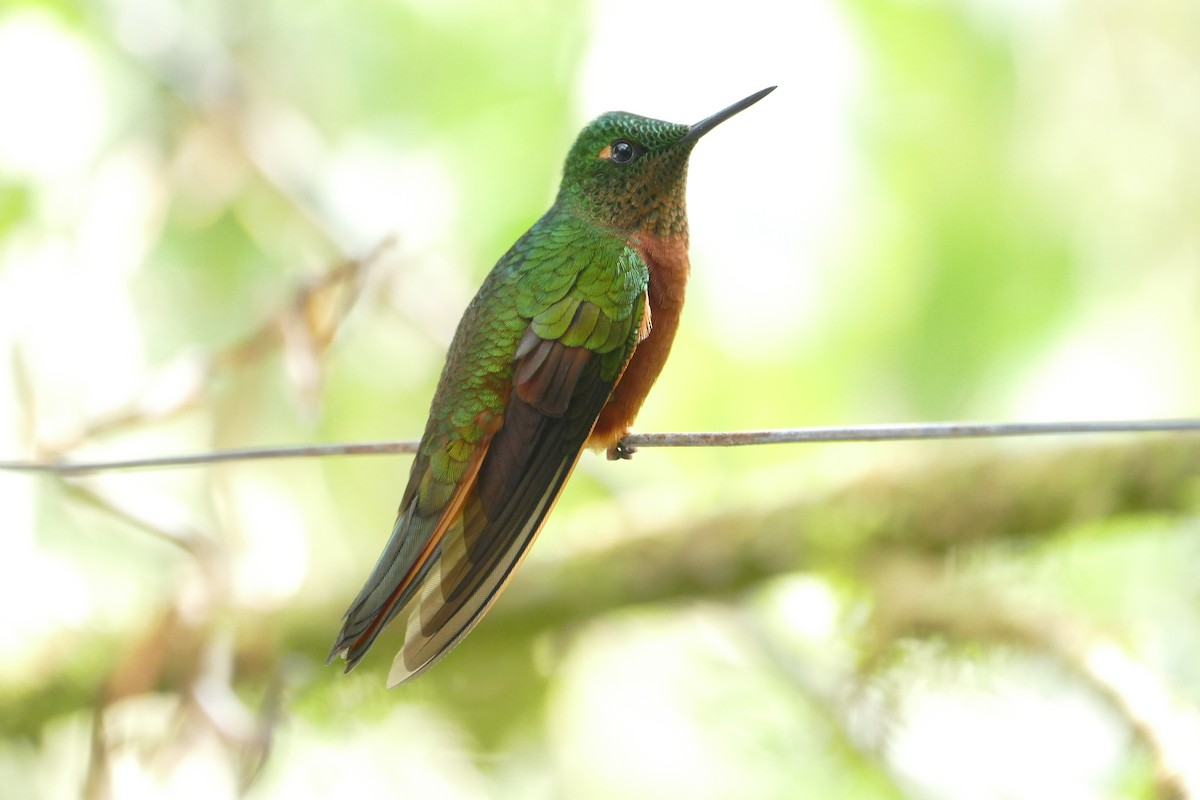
[{"x": 705, "y": 125}]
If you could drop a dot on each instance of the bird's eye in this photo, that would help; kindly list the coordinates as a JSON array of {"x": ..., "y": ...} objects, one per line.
[{"x": 622, "y": 152}]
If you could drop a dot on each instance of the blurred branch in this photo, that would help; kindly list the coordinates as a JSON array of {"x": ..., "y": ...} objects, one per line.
[
  {"x": 912, "y": 598},
  {"x": 214, "y": 87},
  {"x": 188, "y": 651},
  {"x": 839, "y": 700},
  {"x": 1168, "y": 729},
  {"x": 23, "y": 393},
  {"x": 193, "y": 662},
  {"x": 953, "y": 503},
  {"x": 849, "y": 433},
  {"x": 303, "y": 328},
  {"x": 189, "y": 540}
]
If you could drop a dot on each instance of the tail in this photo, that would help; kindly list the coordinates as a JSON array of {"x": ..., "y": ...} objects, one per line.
[{"x": 383, "y": 595}]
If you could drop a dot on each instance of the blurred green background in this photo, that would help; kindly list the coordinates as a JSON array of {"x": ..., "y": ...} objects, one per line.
[{"x": 229, "y": 224}]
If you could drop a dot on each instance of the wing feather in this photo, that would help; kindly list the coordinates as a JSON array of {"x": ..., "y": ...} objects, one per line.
[
  {"x": 528, "y": 462},
  {"x": 482, "y": 485},
  {"x": 402, "y": 567}
]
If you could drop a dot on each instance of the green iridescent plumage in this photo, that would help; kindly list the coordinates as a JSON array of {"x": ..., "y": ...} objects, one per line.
[
  {"x": 565, "y": 280},
  {"x": 633, "y": 198},
  {"x": 537, "y": 362}
]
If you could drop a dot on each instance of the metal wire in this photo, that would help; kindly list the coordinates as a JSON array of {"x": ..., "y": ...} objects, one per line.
[{"x": 846, "y": 433}]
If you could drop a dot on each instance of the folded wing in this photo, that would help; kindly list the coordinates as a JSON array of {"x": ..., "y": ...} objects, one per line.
[{"x": 444, "y": 566}]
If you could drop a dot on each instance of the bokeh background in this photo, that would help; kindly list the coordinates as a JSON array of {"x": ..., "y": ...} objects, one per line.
[{"x": 228, "y": 224}]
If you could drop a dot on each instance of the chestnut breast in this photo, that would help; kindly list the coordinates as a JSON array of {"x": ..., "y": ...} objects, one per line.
[{"x": 667, "y": 259}]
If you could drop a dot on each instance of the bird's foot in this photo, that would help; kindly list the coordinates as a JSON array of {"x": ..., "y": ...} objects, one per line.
[{"x": 621, "y": 451}]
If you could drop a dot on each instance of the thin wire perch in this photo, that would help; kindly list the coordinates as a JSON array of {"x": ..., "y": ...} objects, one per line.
[{"x": 847, "y": 433}]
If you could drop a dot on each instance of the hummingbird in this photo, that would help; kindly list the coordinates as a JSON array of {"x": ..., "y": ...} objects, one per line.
[{"x": 556, "y": 353}]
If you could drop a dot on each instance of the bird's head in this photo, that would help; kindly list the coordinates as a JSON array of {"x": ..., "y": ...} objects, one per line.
[{"x": 630, "y": 173}]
